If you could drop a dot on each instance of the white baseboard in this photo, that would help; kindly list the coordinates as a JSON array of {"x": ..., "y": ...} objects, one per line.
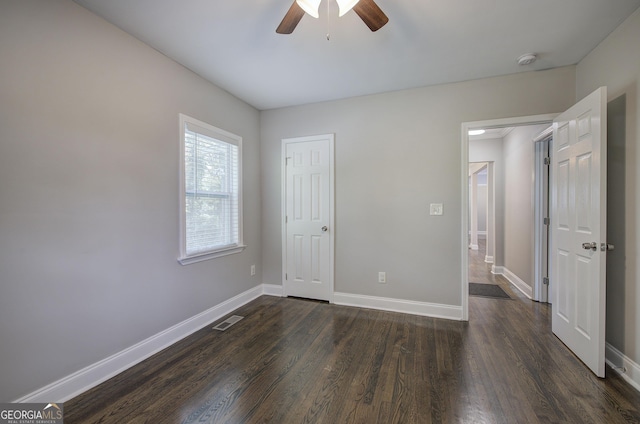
[
  {"x": 434, "y": 310},
  {"x": 272, "y": 290},
  {"x": 488, "y": 259},
  {"x": 623, "y": 365},
  {"x": 86, "y": 378},
  {"x": 481, "y": 234},
  {"x": 473, "y": 247},
  {"x": 525, "y": 288}
]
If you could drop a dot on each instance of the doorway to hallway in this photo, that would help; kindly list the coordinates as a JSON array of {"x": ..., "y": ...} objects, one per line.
[
  {"x": 505, "y": 204},
  {"x": 578, "y": 217},
  {"x": 508, "y": 146},
  {"x": 480, "y": 275}
]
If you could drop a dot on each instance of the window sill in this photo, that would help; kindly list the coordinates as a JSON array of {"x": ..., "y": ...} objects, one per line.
[{"x": 187, "y": 260}]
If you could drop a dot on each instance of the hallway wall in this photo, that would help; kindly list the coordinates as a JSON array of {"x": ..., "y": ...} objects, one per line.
[
  {"x": 518, "y": 201},
  {"x": 492, "y": 150}
]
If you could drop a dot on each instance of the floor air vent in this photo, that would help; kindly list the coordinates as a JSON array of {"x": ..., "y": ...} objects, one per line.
[{"x": 228, "y": 322}]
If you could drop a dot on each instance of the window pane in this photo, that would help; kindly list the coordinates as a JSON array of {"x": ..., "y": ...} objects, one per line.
[
  {"x": 189, "y": 161},
  {"x": 213, "y": 165},
  {"x": 211, "y": 186},
  {"x": 209, "y": 223}
]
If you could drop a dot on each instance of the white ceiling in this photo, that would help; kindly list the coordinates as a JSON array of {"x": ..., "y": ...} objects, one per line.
[{"x": 233, "y": 43}]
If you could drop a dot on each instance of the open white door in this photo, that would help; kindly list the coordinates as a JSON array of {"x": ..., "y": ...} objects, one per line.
[
  {"x": 308, "y": 217},
  {"x": 578, "y": 226}
]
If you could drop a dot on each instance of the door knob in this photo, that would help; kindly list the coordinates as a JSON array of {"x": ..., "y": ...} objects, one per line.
[
  {"x": 324, "y": 229},
  {"x": 590, "y": 246}
]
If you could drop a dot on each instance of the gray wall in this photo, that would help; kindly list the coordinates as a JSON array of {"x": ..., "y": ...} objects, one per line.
[
  {"x": 89, "y": 193},
  {"x": 492, "y": 150},
  {"x": 481, "y": 202},
  {"x": 396, "y": 153},
  {"x": 518, "y": 201},
  {"x": 482, "y": 207},
  {"x": 616, "y": 64}
]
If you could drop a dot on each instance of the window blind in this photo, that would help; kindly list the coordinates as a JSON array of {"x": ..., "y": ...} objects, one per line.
[{"x": 211, "y": 188}]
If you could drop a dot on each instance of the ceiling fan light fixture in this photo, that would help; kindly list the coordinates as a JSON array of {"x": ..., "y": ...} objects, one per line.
[
  {"x": 345, "y": 5},
  {"x": 310, "y": 6}
]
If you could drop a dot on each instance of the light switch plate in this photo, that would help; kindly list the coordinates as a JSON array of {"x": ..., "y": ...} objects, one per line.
[{"x": 436, "y": 209}]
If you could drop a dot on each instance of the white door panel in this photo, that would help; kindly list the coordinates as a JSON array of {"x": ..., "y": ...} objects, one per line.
[
  {"x": 578, "y": 219},
  {"x": 308, "y": 221}
]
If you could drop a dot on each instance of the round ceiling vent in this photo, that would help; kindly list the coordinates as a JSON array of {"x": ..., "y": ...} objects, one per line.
[{"x": 527, "y": 59}]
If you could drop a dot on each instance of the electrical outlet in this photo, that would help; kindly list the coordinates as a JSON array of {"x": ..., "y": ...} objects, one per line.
[
  {"x": 253, "y": 270},
  {"x": 382, "y": 277}
]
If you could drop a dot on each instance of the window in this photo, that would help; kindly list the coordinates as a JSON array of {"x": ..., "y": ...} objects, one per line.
[{"x": 211, "y": 192}]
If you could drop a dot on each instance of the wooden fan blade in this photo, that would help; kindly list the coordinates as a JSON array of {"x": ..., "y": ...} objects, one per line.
[
  {"x": 371, "y": 14},
  {"x": 291, "y": 19}
]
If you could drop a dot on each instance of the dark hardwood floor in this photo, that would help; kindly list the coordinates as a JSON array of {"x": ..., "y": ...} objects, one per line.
[
  {"x": 296, "y": 361},
  {"x": 480, "y": 271}
]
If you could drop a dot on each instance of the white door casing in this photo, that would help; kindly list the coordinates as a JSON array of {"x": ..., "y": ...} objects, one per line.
[
  {"x": 308, "y": 217},
  {"x": 541, "y": 215},
  {"x": 578, "y": 217}
]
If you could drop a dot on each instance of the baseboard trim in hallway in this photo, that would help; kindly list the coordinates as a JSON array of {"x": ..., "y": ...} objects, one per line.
[{"x": 515, "y": 281}]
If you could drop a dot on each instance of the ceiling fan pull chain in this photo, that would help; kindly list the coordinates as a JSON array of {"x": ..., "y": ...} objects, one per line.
[{"x": 328, "y": 18}]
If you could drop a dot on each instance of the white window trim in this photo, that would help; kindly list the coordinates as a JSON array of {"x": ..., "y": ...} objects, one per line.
[
  {"x": 226, "y": 136},
  {"x": 186, "y": 260}
]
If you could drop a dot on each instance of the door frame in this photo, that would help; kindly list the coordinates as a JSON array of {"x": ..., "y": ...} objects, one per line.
[
  {"x": 283, "y": 211},
  {"x": 542, "y": 208},
  {"x": 464, "y": 234},
  {"x": 473, "y": 210}
]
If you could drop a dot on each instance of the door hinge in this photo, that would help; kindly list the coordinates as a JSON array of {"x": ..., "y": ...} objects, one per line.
[
  {"x": 545, "y": 281},
  {"x": 547, "y": 221},
  {"x": 547, "y": 161},
  {"x": 286, "y": 219},
  {"x": 286, "y": 276}
]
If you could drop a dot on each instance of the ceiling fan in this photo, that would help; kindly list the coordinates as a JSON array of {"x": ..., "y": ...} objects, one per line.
[{"x": 368, "y": 11}]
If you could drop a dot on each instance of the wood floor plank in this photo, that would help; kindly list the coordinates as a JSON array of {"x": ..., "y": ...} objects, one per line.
[{"x": 296, "y": 361}]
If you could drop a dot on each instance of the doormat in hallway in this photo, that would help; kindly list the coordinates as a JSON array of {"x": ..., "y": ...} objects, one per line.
[{"x": 487, "y": 290}]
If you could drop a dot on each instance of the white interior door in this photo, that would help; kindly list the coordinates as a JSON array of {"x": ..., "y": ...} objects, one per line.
[
  {"x": 308, "y": 218},
  {"x": 578, "y": 225}
]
